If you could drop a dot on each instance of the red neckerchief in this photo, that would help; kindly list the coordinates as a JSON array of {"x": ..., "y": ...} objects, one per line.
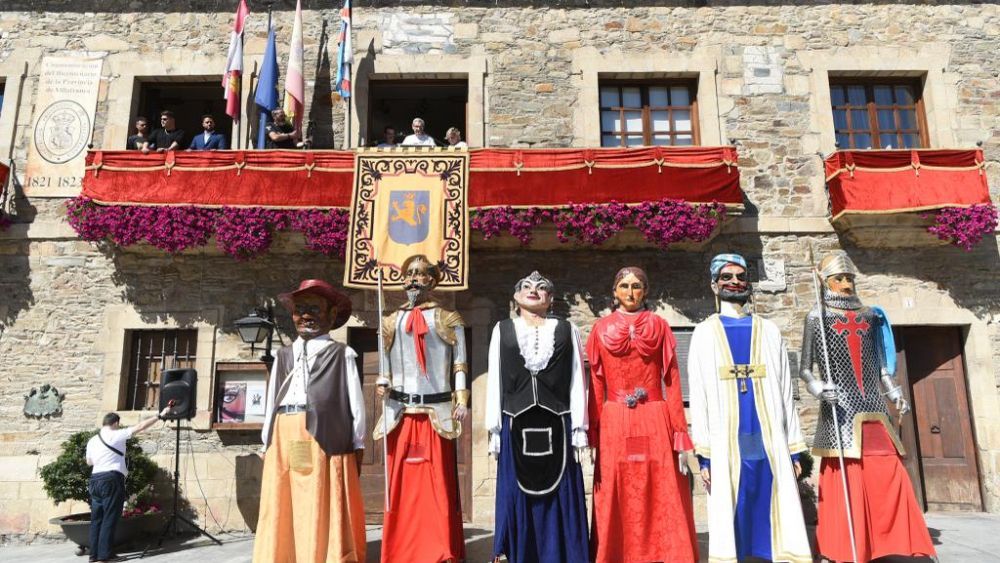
[{"x": 417, "y": 326}]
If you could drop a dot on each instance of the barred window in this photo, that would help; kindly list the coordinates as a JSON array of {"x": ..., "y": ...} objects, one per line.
[
  {"x": 151, "y": 352},
  {"x": 648, "y": 113},
  {"x": 878, "y": 114}
]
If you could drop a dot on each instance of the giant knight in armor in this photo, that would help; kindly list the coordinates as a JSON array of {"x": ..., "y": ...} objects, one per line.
[
  {"x": 425, "y": 348},
  {"x": 536, "y": 415},
  {"x": 853, "y": 347}
]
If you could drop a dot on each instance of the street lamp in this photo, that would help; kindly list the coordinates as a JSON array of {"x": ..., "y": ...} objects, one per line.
[{"x": 256, "y": 328}]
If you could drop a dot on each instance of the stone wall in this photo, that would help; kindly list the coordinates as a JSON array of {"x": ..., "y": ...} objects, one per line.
[{"x": 761, "y": 73}]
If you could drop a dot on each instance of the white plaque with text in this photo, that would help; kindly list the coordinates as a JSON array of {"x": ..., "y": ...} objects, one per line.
[{"x": 65, "y": 106}]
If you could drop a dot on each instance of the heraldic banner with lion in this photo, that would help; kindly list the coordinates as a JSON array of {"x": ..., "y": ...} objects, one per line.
[{"x": 406, "y": 203}]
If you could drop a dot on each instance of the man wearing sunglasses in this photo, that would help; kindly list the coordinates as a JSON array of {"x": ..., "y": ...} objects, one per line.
[
  {"x": 167, "y": 138},
  {"x": 741, "y": 383},
  {"x": 311, "y": 507}
]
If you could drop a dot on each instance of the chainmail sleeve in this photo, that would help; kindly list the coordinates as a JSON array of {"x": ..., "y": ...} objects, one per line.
[{"x": 810, "y": 332}]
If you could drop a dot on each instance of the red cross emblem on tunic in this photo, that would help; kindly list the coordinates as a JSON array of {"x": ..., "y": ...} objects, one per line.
[{"x": 854, "y": 330}]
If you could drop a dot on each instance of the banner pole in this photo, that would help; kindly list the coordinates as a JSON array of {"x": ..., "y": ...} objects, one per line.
[{"x": 385, "y": 397}]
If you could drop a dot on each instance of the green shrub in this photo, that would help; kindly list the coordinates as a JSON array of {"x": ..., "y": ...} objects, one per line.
[{"x": 67, "y": 476}]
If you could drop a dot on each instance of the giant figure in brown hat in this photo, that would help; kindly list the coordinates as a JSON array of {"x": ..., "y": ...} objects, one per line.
[
  {"x": 425, "y": 347},
  {"x": 311, "y": 508}
]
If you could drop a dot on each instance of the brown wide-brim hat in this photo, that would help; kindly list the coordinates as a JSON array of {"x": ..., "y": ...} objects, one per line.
[{"x": 324, "y": 290}]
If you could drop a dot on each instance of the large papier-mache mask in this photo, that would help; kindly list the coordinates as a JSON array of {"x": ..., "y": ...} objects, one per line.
[
  {"x": 839, "y": 274},
  {"x": 533, "y": 293}
]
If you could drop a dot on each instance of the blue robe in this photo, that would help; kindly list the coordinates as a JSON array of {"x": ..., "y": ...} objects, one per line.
[{"x": 752, "y": 522}]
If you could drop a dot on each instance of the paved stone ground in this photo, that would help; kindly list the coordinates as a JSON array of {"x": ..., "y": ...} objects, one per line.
[{"x": 959, "y": 538}]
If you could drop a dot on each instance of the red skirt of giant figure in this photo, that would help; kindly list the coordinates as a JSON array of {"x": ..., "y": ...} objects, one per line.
[
  {"x": 886, "y": 517},
  {"x": 425, "y": 523}
]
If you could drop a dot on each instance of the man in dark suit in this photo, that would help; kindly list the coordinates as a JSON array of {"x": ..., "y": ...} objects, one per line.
[{"x": 209, "y": 139}]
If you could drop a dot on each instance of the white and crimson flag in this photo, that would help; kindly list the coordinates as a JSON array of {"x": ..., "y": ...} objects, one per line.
[
  {"x": 295, "y": 85},
  {"x": 234, "y": 63}
]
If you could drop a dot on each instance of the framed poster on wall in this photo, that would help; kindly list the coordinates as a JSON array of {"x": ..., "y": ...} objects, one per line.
[{"x": 240, "y": 390}]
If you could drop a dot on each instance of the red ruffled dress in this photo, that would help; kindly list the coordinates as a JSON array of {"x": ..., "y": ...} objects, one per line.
[{"x": 642, "y": 503}]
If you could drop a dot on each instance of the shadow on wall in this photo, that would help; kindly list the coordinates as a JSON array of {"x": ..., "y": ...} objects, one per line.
[
  {"x": 15, "y": 275},
  {"x": 970, "y": 278},
  {"x": 677, "y": 277},
  {"x": 249, "y": 469},
  {"x": 208, "y": 286},
  {"x": 320, "y": 126}
]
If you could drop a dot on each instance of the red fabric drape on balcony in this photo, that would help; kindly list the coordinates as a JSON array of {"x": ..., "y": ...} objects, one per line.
[
  {"x": 895, "y": 181},
  {"x": 529, "y": 177},
  {"x": 4, "y": 171}
]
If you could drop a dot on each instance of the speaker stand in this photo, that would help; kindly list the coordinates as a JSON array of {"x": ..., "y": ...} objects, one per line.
[{"x": 174, "y": 515}]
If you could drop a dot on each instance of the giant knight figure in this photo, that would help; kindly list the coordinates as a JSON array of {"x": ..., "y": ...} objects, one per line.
[
  {"x": 424, "y": 347},
  {"x": 857, "y": 363}
]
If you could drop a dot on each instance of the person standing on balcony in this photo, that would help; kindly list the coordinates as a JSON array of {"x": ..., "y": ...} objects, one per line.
[
  {"x": 388, "y": 138},
  {"x": 136, "y": 141},
  {"x": 536, "y": 416},
  {"x": 642, "y": 500},
  {"x": 419, "y": 138},
  {"x": 167, "y": 138},
  {"x": 281, "y": 134},
  {"x": 209, "y": 139},
  {"x": 745, "y": 427},
  {"x": 454, "y": 138}
]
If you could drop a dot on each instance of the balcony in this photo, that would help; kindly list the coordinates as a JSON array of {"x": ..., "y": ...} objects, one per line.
[
  {"x": 889, "y": 198},
  {"x": 541, "y": 185}
]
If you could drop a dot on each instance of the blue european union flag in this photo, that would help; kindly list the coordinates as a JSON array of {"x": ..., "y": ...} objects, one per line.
[{"x": 267, "y": 86}]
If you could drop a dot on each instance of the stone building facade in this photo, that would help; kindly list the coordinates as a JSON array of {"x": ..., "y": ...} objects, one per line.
[{"x": 531, "y": 73}]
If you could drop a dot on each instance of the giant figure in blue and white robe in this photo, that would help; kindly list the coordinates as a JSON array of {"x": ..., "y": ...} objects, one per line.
[{"x": 745, "y": 427}]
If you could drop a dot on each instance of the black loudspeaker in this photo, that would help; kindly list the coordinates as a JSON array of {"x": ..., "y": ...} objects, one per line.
[{"x": 178, "y": 385}]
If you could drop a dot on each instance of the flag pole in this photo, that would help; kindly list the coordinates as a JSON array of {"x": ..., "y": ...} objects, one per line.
[
  {"x": 239, "y": 93},
  {"x": 253, "y": 77},
  {"x": 385, "y": 397},
  {"x": 347, "y": 100},
  {"x": 262, "y": 115}
]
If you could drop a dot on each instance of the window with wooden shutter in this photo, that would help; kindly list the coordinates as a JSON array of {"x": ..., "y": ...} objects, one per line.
[
  {"x": 641, "y": 113},
  {"x": 151, "y": 352},
  {"x": 878, "y": 114}
]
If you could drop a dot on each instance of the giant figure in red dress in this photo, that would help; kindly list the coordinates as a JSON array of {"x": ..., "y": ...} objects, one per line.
[{"x": 642, "y": 499}]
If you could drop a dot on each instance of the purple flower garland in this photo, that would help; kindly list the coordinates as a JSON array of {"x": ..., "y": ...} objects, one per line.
[
  {"x": 243, "y": 233},
  {"x": 662, "y": 223},
  {"x": 246, "y": 233},
  {"x": 964, "y": 227}
]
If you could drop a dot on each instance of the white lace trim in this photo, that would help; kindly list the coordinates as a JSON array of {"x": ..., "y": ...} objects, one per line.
[{"x": 536, "y": 343}]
